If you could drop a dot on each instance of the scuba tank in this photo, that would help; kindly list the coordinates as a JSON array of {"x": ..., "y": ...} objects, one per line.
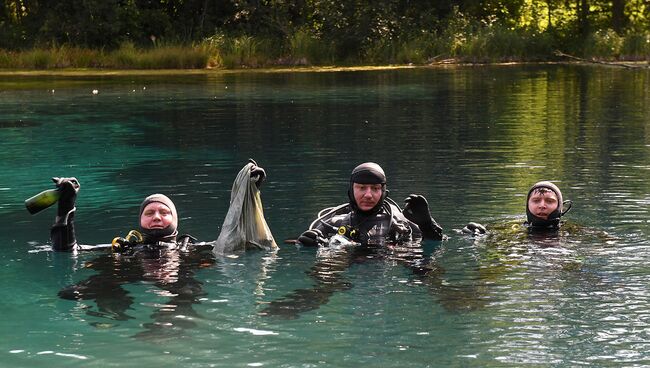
[{"x": 42, "y": 200}]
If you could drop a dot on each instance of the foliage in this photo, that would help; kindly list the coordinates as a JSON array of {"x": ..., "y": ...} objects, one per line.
[{"x": 236, "y": 33}]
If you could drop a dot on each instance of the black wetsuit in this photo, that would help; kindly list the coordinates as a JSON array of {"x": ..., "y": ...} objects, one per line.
[{"x": 387, "y": 224}]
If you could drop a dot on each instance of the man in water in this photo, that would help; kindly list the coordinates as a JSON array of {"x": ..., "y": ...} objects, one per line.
[
  {"x": 379, "y": 230},
  {"x": 154, "y": 255},
  {"x": 544, "y": 208},
  {"x": 371, "y": 217}
]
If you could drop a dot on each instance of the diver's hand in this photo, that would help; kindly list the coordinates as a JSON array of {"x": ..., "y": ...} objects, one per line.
[
  {"x": 257, "y": 173},
  {"x": 68, "y": 187},
  {"x": 417, "y": 211},
  {"x": 312, "y": 238},
  {"x": 474, "y": 228}
]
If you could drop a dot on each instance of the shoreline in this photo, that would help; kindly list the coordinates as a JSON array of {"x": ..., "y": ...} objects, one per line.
[{"x": 76, "y": 72}]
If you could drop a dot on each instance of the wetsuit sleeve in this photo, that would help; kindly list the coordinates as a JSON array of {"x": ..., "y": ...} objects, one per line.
[
  {"x": 62, "y": 232},
  {"x": 431, "y": 230},
  {"x": 330, "y": 226}
]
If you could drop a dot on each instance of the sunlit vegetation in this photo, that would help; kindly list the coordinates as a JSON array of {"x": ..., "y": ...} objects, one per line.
[{"x": 188, "y": 34}]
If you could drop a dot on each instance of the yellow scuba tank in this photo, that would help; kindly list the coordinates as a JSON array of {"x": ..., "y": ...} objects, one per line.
[{"x": 42, "y": 200}]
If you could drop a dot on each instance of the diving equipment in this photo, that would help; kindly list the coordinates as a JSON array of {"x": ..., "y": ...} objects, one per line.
[{"x": 42, "y": 200}]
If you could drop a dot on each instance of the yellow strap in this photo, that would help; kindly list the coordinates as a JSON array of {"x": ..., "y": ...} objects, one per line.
[{"x": 115, "y": 245}]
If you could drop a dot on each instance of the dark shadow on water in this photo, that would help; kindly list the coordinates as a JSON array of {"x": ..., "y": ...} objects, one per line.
[
  {"x": 329, "y": 276},
  {"x": 17, "y": 124},
  {"x": 170, "y": 272}
]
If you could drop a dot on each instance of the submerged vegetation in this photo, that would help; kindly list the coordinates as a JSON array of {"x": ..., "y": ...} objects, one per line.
[{"x": 186, "y": 34}]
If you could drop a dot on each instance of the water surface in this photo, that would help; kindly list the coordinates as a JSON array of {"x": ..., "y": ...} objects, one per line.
[{"x": 472, "y": 140}]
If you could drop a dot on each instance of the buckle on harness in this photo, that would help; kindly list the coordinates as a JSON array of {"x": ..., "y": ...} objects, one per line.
[
  {"x": 348, "y": 231},
  {"x": 119, "y": 244}
]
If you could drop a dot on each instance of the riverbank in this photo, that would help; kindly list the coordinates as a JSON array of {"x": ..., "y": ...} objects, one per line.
[
  {"x": 76, "y": 72},
  {"x": 162, "y": 72},
  {"x": 247, "y": 52}
]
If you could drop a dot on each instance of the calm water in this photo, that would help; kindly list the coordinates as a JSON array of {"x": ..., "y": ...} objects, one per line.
[{"x": 472, "y": 140}]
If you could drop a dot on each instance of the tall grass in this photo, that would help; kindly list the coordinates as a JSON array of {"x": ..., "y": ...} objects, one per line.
[
  {"x": 126, "y": 57},
  {"x": 305, "y": 48},
  {"x": 163, "y": 57},
  {"x": 460, "y": 40},
  {"x": 636, "y": 46},
  {"x": 56, "y": 57}
]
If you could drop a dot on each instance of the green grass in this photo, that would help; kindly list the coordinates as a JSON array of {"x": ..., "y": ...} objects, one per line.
[
  {"x": 460, "y": 41},
  {"x": 126, "y": 57}
]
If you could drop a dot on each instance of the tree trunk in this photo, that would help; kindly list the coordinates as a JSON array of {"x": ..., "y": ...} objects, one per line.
[
  {"x": 583, "y": 17},
  {"x": 203, "y": 14},
  {"x": 549, "y": 13},
  {"x": 618, "y": 16}
]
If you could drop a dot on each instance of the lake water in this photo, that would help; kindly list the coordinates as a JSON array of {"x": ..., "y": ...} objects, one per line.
[{"x": 470, "y": 139}]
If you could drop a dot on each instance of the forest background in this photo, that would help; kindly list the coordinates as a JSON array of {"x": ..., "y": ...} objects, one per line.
[{"x": 163, "y": 34}]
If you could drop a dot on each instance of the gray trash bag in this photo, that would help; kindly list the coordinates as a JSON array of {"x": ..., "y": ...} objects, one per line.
[{"x": 244, "y": 227}]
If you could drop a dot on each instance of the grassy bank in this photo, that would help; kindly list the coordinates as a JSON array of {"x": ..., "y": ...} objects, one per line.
[{"x": 486, "y": 45}]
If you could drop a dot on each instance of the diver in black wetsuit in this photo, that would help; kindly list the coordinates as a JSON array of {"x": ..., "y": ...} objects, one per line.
[
  {"x": 380, "y": 229},
  {"x": 371, "y": 217},
  {"x": 155, "y": 254},
  {"x": 544, "y": 208}
]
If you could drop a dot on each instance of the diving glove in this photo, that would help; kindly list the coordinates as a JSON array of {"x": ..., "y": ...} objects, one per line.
[
  {"x": 312, "y": 238},
  {"x": 474, "y": 228},
  {"x": 417, "y": 211},
  {"x": 68, "y": 187},
  {"x": 257, "y": 173}
]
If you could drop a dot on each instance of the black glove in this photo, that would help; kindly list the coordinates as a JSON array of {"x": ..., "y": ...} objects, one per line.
[
  {"x": 312, "y": 238},
  {"x": 474, "y": 228},
  {"x": 68, "y": 187},
  {"x": 417, "y": 211},
  {"x": 257, "y": 173}
]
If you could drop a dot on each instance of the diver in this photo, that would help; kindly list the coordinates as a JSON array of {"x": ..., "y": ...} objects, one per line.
[
  {"x": 370, "y": 216},
  {"x": 154, "y": 254},
  {"x": 544, "y": 208},
  {"x": 377, "y": 229}
]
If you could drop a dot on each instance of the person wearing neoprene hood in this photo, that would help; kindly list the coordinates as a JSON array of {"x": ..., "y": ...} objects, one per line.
[
  {"x": 154, "y": 254},
  {"x": 158, "y": 219},
  {"x": 545, "y": 206},
  {"x": 370, "y": 216}
]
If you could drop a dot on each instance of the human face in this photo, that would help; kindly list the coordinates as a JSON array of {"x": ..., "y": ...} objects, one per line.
[
  {"x": 156, "y": 216},
  {"x": 542, "y": 203},
  {"x": 366, "y": 195}
]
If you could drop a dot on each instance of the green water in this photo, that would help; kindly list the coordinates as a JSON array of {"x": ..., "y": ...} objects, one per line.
[{"x": 472, "y": 140}]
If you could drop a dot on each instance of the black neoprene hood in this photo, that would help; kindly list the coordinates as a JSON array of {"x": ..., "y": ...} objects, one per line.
[{"x": 367, "y": 173}]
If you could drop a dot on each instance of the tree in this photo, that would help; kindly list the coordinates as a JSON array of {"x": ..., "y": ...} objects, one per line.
[{"x": 619, "y": 21}]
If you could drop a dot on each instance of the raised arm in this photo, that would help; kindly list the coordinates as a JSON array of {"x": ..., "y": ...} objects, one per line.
[
  {"x": 62, "y": 232},
  {"x": 417, "y": 211}
]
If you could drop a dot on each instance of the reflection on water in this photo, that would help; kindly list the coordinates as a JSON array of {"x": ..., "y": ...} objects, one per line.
[{"x": 471, "y": 140}]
